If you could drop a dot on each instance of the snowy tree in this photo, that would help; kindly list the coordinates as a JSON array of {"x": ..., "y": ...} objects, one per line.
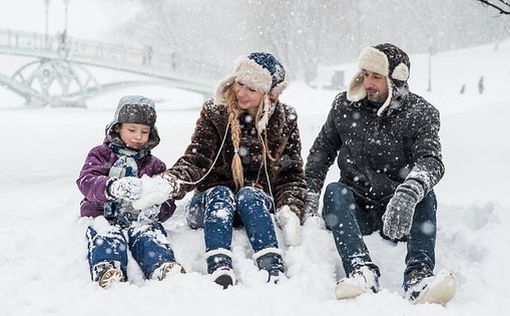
[
  {"x": 502, "y": 6},
  {"x": 203, "y": 37}
]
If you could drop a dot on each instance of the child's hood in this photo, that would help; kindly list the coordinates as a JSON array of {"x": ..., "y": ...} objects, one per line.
[{"x": 135, "y": 109}]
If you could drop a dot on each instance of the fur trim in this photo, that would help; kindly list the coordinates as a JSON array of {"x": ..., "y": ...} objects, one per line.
[
  {"x": 401, "y": 72},
  {"x": 248, "y": 72},
  {"x": 374, "y": 60},
  {"x": 219, "y": 97},
  {"x": 219, "y": 251},
  {"x": 265, "y": 251},
  {"x": 223, "y": 271},
  {"x": 278, "y": 89},
  {"x": 356, "y": 91},
  {"x": 388, "y": 99},
  {"x": 264, "y": 120}
]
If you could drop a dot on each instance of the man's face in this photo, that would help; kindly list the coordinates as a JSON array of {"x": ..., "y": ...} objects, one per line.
[{"x": 376, "y": 86}]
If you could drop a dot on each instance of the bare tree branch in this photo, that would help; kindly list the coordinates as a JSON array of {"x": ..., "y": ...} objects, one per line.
[{"x": 502, "y": 5}]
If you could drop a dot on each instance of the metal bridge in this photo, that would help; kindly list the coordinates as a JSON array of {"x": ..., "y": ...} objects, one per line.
[{"x": 58, "y": 74}]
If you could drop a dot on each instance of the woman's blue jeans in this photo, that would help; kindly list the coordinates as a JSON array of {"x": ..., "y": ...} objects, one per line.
[
  {"x": 218, "y": 210},
  {"x": 350, "y": 218}
]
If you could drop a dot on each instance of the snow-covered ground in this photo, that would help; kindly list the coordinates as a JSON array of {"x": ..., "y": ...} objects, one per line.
[{"x": 43, "y": 267}]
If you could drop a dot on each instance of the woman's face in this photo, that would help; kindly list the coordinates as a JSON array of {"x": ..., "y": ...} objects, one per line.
[{"x": 248, "y": 99}]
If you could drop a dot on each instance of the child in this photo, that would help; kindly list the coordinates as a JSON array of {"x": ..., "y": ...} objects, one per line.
[{"x": 110, "y": 182}]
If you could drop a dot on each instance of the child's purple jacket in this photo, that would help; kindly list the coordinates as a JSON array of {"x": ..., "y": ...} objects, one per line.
[{"x": 94, "y": 179}]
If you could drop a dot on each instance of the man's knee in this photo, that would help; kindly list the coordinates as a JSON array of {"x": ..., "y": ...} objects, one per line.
[
  {"x": 338, "y": 203},
  {"x": 336, "y": 196},
  {"x": 428, "y": 205}
]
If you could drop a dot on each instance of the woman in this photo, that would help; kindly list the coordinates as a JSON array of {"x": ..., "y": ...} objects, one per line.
[{"x": 244, "y": 162}]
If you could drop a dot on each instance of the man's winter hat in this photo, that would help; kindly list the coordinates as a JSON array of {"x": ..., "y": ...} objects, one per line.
[
  {"x": 260, "y": 71},
  {"x": 135, "y": 109},
  {"x": 387, "y": 60}
]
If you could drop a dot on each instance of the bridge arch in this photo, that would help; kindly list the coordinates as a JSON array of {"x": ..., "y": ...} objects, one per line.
[{"x": 60, "y": 74}]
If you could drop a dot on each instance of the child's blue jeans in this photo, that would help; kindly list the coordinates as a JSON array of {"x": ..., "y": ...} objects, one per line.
[{"x": 148, "y": 244}]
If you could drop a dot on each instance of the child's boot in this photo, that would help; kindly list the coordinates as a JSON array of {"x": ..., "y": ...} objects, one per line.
[
  {"x": 166, "y": 270},
  {"x": 107, "y": 273}
]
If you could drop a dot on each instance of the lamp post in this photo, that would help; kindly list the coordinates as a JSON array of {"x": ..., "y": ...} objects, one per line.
[
  {"x": 46, "y": 14},
  {"x": 66, "y": 5},
  {"x": 429, "y": 88}
]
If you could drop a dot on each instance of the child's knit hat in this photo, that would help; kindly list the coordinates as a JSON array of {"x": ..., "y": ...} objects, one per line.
[{"x": 135, "y": 109}]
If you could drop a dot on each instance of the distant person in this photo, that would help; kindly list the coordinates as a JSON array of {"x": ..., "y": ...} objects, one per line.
[
  {"x": 385, "y": 139},
  {"x": 147, "y": 58},
  {"x": 244, "y": 162},
  {"x": 63, "y": 48},
  {"x": 110, "y": 181},
  {"x": 480, "y": 85}
]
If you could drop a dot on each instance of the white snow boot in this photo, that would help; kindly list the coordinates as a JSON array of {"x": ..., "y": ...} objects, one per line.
[
  {"x": 424, "y": 287},
  {"x": 360, "y": 281}
]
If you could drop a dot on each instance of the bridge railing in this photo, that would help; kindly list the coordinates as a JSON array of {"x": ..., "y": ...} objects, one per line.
[{"x": 67, "y": 46}]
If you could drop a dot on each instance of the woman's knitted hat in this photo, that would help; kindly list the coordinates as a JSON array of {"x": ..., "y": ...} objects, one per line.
[{"x": 260, "y": 71}]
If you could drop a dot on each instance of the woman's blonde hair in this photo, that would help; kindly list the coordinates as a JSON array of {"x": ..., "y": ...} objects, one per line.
[{"x": 233, "y": 114}]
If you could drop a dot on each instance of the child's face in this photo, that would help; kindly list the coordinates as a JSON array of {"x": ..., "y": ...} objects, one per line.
[{"x": 134, "y": 135}]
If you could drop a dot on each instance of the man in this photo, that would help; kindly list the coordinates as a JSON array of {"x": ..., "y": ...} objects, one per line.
[{"x": 389, "y": 155}]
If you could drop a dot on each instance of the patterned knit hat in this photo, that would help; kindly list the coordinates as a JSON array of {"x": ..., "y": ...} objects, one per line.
[
  {"x": 387, "y": 60},
  {"x": 260, "y": 71}
]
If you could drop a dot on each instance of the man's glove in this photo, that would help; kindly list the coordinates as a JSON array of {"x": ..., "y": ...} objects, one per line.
[
  {"x": 398, "y": 218},
  {"x": 290, "y": 224},
  {"x": 156, "y": 191},
  {"x": 127, "y": 188},
  {"x": 312, "y": 204}
]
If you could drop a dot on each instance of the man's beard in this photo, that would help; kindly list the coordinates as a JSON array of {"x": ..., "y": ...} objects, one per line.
[{"x": 376, "y": 96}]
